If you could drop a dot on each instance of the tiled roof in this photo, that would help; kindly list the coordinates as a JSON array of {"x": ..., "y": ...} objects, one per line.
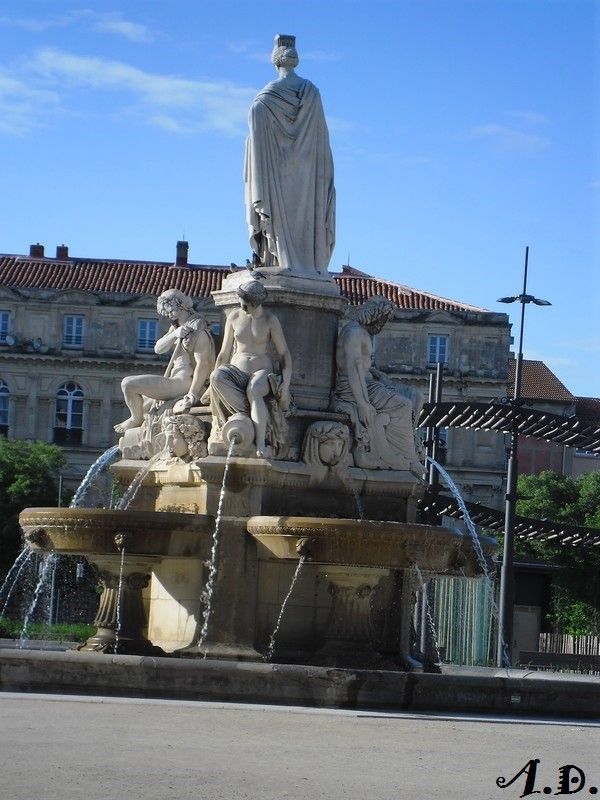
[
  {"x": 538, "y": 382},
  {"x": 588, "y": 408},
  {"x": 119, "y": 277},
  {"x": 197, "y": 280},
  {"x": 357, "y": 287}
]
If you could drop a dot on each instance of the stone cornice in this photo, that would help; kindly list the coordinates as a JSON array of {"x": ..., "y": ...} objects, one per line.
[
  {"x": 99, "y": 362},
  {"x": 246, "y": 472}
]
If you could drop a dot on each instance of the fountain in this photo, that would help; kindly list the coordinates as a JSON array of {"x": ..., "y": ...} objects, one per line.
[{"x": 281, "y": 438}]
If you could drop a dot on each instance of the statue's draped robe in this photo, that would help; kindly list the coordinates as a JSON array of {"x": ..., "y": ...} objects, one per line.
[
  {"x": 290, "y": 196},
  {"x": 228, "y": 391},
  {"x": 397, "y": 404}
]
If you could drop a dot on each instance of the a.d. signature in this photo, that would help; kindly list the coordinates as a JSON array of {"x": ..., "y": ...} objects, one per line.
[{"x": 571, "y": 779}]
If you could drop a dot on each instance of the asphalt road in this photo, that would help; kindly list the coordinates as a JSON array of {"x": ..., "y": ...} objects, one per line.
[{"x": 75, "y": 748}]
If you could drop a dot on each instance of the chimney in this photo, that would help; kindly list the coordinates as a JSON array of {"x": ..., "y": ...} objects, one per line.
[
  {"x": 62, "y": 252},
  {"x": 36, "y": 250},
  {"x": 181, "y": 259}
]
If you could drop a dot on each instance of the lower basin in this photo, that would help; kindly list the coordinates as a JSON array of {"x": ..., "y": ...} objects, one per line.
[
  {"x": 370, "y": 543},
  {"x": 125, "y": 547},
  {"x": 95, "y": 531}
]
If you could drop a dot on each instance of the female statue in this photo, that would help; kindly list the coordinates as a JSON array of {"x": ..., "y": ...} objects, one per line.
[
  {"x": 244, "y": 375},
  {"x": 383, "y": 414},
  {"x": 290, "y": 196}
]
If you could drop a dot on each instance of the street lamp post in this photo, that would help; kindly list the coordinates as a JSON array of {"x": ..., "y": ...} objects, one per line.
[{"x": 507, "y": 577}]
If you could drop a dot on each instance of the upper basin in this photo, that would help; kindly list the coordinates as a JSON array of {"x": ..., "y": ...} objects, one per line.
[
  {"x": 369, "y": 543},
  {"x": 96, "y": 531}
]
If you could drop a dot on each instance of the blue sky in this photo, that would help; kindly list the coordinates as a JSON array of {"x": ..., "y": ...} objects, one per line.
[{"x": 461, "y": 132}]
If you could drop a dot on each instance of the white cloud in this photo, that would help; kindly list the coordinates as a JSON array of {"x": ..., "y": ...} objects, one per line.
[
  {"x": 112, "y": 23},
  {"x": 531, "y": 118},
  {"x": 320, "y": 55},
  {"x": 251, "y": 49},
  {"x": 388, "y": 158},
  {"x": 518, "y": 134},
  {"x": 32, "y": 24},
  {"x": 340, "y": 125},
  {"x": 170, "y": 124},
  {"x": 509, "y": 139},
  {"x": 22, "y": 107},
  {"x": 200, "y": 105},
  {"x": 551, "y": 360},
  {"x": 581, "y": 346}
]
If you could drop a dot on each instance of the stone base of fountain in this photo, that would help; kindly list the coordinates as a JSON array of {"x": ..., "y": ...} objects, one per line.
[
  {"x": 221, "y": 652},
  {"x": 353, "y": 602},
  {"x": 475, "y": 690}
]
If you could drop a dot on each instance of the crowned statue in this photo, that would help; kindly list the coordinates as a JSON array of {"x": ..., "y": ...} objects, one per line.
[{"x": 290, "y": 196}]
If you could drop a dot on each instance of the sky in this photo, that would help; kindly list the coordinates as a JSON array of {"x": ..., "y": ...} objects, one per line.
[{"x": 462, "y": 132}]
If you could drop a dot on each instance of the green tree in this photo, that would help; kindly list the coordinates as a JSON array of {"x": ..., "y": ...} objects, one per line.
[
  {"x": 559, "y": 498},
  {"x": 575, "y": 501},
  {"x": 28, "y": 477},
  {"x": 589, "y": 499}
]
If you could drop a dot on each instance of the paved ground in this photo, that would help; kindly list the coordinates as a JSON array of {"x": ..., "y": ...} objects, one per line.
[{"x": 68, "y": 748}]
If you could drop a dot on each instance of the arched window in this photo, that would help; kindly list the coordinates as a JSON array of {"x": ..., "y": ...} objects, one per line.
[
  {"x": 4, "y": 395},
  {"x": 68, "y": 421}
]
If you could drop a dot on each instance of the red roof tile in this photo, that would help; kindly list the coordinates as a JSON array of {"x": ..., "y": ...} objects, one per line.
[
  {"x": 539, "y": 382},
  {"x": 357, "y": 287},
  {"x": 115, "y": 277},
  {"x": 197, "y": 280}
]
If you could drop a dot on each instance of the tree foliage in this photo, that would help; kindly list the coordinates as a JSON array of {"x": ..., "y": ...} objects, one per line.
[
  {"x": 575, "y": 501},
  {"x": 28, "y": 477}
]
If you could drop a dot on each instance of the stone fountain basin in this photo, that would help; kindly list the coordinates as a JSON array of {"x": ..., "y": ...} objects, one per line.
[
  {"x": 95, "y": 531},
  {"x": 369, "y": 543}
]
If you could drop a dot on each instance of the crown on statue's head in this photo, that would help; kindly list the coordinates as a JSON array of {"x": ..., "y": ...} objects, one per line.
[{"x": 284, "y": 40}]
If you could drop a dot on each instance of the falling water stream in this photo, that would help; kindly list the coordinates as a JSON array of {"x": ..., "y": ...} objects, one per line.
[
  {"x": 208, "y": 591},
  {"x": 428, "y": 613},
  {"x": 119, "y": 596},
  {"x": 49, "y": 561},
  {"x": 349, "y": 484},
  {"x": 135, "y": 484},
  {"x": 271, "y": 648},
  {"x": 97, "y": 467},
  {"x": 474, "y": 537},
  {"x": 21, "y": 562},
  {"x": 466, "y": 516},
  {"x": 124, "y": 504}
]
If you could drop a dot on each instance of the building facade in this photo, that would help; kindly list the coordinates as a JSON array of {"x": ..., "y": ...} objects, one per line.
[{"x": 71, "y": 329}]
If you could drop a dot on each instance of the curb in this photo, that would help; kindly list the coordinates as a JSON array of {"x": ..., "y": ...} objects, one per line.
[{"x": 292, "y": 684}]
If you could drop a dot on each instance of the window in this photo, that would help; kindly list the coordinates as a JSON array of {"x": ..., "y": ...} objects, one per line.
[
  {"x": 4, "y": 395},
  {"x": 438, "y": 350},
  {"x": 146, "y": 336},
  {"x": 73, "y": 331},
  {"x": 68, "y": 422},
  {"x": 4, "y": 325}
]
